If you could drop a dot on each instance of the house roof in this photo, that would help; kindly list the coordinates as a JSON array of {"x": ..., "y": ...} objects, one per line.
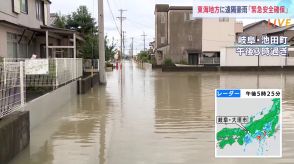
[
  {"x": 279, "y": 29},
  {"x": 166, "y": 8},
  {"x": 161, "y": 7},
  {"x": 256, "y": 23},
  {"x": 13, "y": 24},
  {"x": 43, "y": 29},
  {"x": 180, "y": 8}
]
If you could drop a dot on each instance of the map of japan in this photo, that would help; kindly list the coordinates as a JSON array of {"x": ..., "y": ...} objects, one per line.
[{"x": 248, "y": 127}]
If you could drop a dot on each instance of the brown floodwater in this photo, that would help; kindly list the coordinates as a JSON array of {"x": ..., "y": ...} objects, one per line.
[{"x": 145, "y": 116}]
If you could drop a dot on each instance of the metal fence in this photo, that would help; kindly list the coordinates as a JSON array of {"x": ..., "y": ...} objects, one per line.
[
  {"x": 50, "y": 72},
  {"x": 11, "y": 87},
  {"x": 17, "y": 74},
  {"x": 67, "y": 69}
]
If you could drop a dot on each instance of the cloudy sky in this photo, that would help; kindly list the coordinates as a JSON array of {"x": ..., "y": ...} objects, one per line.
[{"x": 140, "y": 16}]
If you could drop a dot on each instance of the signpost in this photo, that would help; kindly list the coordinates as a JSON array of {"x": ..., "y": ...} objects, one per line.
[{"x": 36, "y": 66}]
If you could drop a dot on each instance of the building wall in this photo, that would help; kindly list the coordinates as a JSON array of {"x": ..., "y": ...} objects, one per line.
[
  {"x": 29, "y": 20},
  {"x": 163, "y": 54},
  {"x": 42, "y": 107},
  {"x": 230, "y": 58},
  {"x": 217, "y": 35},
  {"x": 161, "y": 21},
  {"x": 272, "y": 61},
  {"x": 3, "y": 37},
  {"x": 3, "y": 45},
  {"x": 184, "y": 34}
]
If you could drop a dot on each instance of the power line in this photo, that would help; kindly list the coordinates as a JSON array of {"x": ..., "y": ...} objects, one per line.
[
  {"x": 144, "y": 39},
  {"x": 142, "y": 24},
  {"x": 136, "y": 25},
  {"x": 113, "y": 16}
]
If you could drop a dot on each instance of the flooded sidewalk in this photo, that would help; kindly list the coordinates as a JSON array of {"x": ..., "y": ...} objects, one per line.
[{"x": 145, "y": 116}]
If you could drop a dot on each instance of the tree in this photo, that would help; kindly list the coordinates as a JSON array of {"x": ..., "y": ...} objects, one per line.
[
  {"x": 109, "y": 49},
  {"x": 90, "y": 48},
  {"x": 60, "y": 21},
  {"x": 143, "y": 56},
  {"x": 82, "y": 21}
]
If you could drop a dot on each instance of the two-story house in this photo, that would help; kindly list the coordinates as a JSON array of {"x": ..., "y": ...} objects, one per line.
[
  {"x": 194, "y": 41},
  {"x": 25, "y": 30}
]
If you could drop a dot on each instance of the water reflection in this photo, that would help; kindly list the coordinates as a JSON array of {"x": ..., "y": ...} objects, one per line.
[{"x": 144, "y": 116}]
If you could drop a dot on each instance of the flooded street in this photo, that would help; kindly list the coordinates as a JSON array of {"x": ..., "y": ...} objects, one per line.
[{"x": 145, "y": 116}]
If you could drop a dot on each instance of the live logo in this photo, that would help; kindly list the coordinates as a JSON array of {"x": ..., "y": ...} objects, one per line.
[{"x": 279, "y": 22}]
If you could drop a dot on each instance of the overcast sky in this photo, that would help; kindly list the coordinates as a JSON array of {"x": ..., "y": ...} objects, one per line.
[{"x": 140, "y": 16}]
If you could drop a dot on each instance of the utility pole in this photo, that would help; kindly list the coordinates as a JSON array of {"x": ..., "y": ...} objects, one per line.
[
  {"x": 132, "y": 47},
  {"x": 121, "y": 18},
  {"x": 101, "y": 42},
  {"x": 144, "y": 35},
  {"x": 124, "y": 37}
]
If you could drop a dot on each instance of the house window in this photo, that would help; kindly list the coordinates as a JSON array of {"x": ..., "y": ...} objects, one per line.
[
  {"x": 24, "y": 6},
  {"x": 223, "y": 19},
  {"x": 11, "y": 45},
  {"x": 162, "y": 40},
  {"x": 15, "y": 49},
  {"x": 190, "y": 38},
  {"x": 16, "y": 6},
  {"x": 188, "y": 16},
  {"x": 39, "y": 10},
  {"x": 23, "y": 50}
]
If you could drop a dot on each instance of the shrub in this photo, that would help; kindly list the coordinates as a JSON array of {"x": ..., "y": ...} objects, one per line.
[
  {"x": 144, "y": 57},
  {"x": 183, "y": 62},
  {"x": 168, "y": 62}
]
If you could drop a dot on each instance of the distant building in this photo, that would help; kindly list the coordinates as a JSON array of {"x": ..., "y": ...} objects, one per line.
[
  {"x": 257, "y": 28},
  {"x": 287, "y": 31},
  {"x": 23, "y": 28},
  {"x": 184, "y": 40},
  {"x": 230, "y": 58}
]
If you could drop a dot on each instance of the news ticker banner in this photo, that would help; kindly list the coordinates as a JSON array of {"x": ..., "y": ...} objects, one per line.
[
  {"x": 259, "y": 9},
  {"x": 248, "y": 123},
  {"x": 248, "y": 93}
]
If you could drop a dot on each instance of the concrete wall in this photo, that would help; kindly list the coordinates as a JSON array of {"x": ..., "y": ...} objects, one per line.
[
  {"x": 161, "y": 21},
  {"x": 14, "y": 135},
  {"x": 184, "y": 34},
  {"x": 230, "y": 58},
  {"x": 272, "y": 61},
  {"x": 217, "y": 35},
  {"x": 45, "y": 105},
  {"x": 29, "y": 20},
  {"x": 163, "y": 54}
]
